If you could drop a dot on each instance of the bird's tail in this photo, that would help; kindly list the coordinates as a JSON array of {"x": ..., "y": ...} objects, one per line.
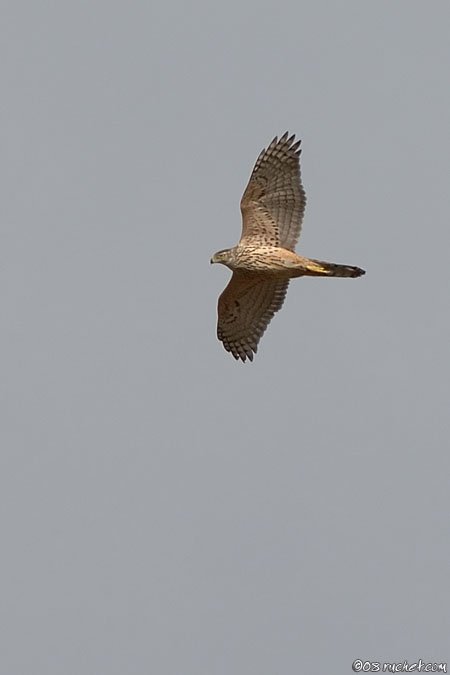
[{"x": 326, "y": 269}]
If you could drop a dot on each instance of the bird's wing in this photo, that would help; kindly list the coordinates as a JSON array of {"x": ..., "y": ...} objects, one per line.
[
  {"x": 245, "y": 309},
  {"x": 274, "y": 200}
]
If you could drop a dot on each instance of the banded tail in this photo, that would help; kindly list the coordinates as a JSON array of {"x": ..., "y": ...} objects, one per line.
[{"x": 325, "y": 269}]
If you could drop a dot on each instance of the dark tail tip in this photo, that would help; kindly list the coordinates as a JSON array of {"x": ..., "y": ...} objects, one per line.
[{"x": 358, "y": 272}]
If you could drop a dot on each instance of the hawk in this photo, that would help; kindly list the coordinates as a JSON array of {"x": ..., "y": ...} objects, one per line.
[{"x": 264, "y": 260}]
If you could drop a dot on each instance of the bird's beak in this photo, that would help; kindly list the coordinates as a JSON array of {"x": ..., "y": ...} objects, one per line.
[{"x": 211, "y": 261}]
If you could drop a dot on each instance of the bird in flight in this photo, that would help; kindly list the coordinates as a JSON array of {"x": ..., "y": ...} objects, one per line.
[{"x": 264, "y": 260}]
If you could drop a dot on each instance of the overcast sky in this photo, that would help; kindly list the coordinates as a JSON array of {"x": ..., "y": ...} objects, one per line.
[{"x": 163, "y": 508}]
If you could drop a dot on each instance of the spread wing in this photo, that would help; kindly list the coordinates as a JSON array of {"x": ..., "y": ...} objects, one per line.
[
  {"x": 274, "y": 200},
  {"x": 245, "y": 309}
]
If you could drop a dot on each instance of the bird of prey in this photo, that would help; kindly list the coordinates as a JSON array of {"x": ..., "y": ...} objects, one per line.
[{"x": 264, "y": 260}]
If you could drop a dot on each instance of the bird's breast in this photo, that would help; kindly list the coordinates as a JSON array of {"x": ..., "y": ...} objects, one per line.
[{"x": 268, "y": 259}]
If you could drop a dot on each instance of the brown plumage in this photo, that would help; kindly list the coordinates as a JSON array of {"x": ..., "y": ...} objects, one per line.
[{"x": 264, "y": 260}]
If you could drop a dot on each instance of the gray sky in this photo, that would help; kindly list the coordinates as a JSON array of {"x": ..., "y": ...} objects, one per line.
[{"x": 163, "y": 508}]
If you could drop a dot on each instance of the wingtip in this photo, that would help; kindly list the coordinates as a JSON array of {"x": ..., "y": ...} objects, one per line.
[
  {"x": 286, "y": 140},
  {"x": 289, "y": 141}
]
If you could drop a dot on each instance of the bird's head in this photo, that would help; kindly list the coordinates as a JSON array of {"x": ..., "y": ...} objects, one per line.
[{"x": 225, "y": 257}]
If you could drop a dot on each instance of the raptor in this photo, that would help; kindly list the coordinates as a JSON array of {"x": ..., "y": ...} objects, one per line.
[{"x": 264, "y": 260}]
